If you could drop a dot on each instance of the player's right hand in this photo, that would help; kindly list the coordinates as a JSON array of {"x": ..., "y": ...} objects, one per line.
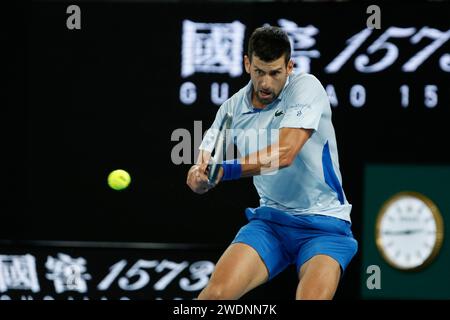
[{"x": 197, "y": 179}]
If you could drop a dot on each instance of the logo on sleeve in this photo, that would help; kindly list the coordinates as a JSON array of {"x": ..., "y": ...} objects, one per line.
[{"x": 301, "y": 108}]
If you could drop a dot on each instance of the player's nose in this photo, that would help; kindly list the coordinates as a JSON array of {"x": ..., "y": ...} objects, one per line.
[{"x": 265, "y": 84}]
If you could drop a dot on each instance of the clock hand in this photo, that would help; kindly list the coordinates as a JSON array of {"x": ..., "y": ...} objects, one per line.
[{"x": 403, "y": 232}]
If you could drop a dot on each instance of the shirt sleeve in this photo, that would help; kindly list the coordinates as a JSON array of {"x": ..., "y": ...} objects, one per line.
[
  {"x": 305, "y": 104},
  {"x": 210, "y": 136}
]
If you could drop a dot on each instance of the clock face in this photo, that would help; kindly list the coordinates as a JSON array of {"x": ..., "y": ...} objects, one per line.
[{"x": 409, "y": 231}]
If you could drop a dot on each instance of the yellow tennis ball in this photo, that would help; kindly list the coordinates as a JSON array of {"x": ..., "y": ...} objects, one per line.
[{"x": 119, "y": 179}]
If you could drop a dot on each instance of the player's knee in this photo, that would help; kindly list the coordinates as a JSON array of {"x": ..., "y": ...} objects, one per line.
[
  {"x": 216, "y": 291},
  {"x": 317, "y": 289},
  {"x": 317, "y": 293}
]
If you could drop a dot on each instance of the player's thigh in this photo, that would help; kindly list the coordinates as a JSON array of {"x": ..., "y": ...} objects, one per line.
[
  {"x": 255, "y": 256},
  {"x": 320, "y": 262},
  {"x": 319, "y": 278},
  {"x": 238, "y": 270},
  {"x": 319, "y": 267}
]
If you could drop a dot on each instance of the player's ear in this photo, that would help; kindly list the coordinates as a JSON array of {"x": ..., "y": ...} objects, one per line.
[
  {"x": 247, "y": 64},
  {"x": 290, "y": 67}
]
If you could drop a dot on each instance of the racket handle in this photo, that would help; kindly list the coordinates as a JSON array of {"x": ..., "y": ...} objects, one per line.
[{"x": 213, "y": 171}]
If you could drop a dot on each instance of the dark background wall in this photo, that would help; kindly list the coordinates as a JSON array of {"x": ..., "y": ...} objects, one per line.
[{"x": 85, "y": 102}]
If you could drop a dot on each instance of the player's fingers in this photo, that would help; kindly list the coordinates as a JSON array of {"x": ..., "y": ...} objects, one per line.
[
  {"x": 198, "y": 181},
  {"x": 199, "y": 188},
  {"x": 203, "y": 183},
  {"x": 201, "y": 176},
  {"x": 202, "y": 167},
  {"x": 202, "y": 187}
]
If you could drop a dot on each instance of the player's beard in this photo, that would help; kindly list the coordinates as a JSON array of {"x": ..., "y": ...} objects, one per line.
[{"x": 265, "y": 96}]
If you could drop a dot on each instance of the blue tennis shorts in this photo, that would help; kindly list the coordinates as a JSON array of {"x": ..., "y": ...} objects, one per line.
[{"x": 282, "y": 239}]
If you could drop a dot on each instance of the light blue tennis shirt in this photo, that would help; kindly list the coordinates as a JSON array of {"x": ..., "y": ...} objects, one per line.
[{"x": 312, "y": 184}]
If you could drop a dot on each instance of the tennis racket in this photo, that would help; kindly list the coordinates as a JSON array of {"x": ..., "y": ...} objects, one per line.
[{"x": 220, "y": 149}]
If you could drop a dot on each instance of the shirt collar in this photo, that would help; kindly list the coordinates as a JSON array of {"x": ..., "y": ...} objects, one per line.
[
  {"x": 248, "y": 106},
  {"x": 282, "y": 93}
]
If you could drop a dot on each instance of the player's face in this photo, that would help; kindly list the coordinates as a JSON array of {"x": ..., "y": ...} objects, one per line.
[{"x": 268, "y": 78}]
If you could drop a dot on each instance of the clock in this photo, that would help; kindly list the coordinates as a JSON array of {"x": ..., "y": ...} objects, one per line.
[{"x": 409, "y": 231}]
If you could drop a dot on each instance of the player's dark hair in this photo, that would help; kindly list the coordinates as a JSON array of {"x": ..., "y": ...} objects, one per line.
[{"x": 269, "y": 44}]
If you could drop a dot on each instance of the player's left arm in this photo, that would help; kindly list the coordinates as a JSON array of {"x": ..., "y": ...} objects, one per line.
[{"x": 276, "y": 156}]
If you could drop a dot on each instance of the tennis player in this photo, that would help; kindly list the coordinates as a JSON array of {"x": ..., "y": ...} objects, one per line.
[{"x": 304, "y": 216}]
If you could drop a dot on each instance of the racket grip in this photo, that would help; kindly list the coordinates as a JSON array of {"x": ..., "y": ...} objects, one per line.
[{"x": 213, "y": 171}]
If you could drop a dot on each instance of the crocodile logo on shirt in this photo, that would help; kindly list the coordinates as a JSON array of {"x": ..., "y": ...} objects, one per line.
[{"x": 278, "y": 113}]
